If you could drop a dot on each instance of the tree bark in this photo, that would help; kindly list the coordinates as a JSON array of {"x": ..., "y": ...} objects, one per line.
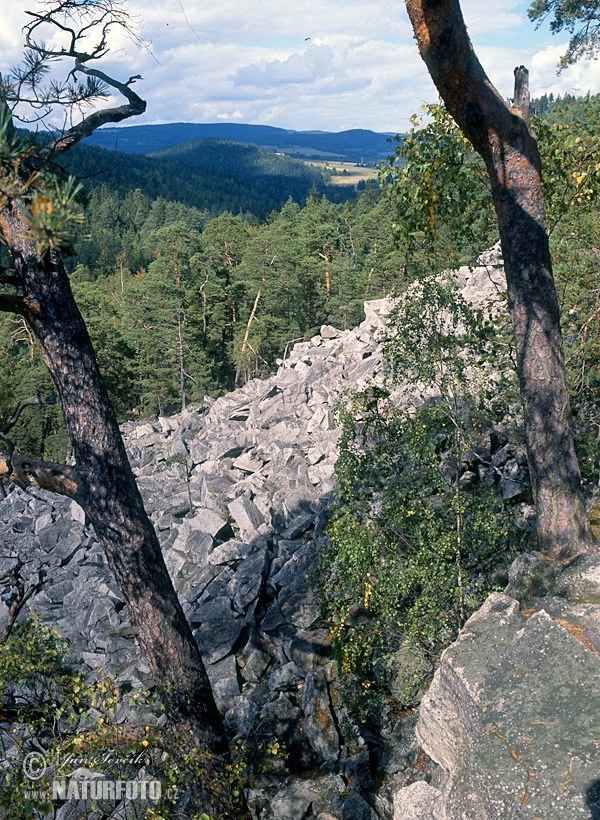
[
  {"x": 501, "y": 136},
  {"x": 103, "y": 483}
]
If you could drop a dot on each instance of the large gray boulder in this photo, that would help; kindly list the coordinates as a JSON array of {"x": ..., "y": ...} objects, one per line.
[{"x": 511, "y": 717}]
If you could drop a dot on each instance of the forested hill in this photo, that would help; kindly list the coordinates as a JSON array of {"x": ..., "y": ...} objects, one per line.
[
  {"x": 356, "y": 145},
  {"x": 225, "y": 176},
  {"x": 240, "y": 158}
]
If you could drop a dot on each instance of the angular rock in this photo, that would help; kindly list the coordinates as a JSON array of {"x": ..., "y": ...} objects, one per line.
[
  {"x": 230, "y": 551},
  {"x": 206, "y": 520},
  {"x": 223, "y": 677},
  {"x": 280, "y": 719},
  {"x": 499, "y": 717},
  {"x": 244, "y": 716},
  {"x": 217, "y": 628},
  {"x": 531, "y": 574},
  {"x": 246, "y": 583},
  {"x": 288, "y": 676},
  {"x": 580, "y": 581},
  {"x": 301, "y": 800},
  {"x": 310, "y": 647},
  {"x": 300, "y": 607},
  {"x": 253, "y": 659},
  {"x": 319, "y": 725},
  {"x": 419, "y": 801},
  {"x": 509, "y": 488},
  {"x": 405, "y": 672},
  {"x": 356, "y": 808},
  {"x": 245, "y": 513}
]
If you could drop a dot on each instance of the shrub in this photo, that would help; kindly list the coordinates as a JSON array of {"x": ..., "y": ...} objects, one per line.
[
  {"x": 416, "y": 537},
  {"x": 78, "y": 722}
]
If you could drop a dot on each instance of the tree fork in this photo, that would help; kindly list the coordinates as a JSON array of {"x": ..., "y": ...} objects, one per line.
[{"x": 502, "y": 138}]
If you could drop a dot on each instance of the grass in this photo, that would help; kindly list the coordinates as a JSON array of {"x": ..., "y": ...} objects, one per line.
[{"x": 345, "y": 173}]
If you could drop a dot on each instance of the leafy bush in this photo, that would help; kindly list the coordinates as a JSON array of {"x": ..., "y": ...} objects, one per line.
[
  {"x": 54, "y": 710},
  {"x": 438, "y": 187},
  {"x": 417, "y": 535}
]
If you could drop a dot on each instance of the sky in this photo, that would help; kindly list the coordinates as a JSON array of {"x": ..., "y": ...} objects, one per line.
[{"x": 324, "y": 65}]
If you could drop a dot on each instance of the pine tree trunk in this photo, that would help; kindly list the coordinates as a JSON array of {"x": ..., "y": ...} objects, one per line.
[
  {"x": 107, "y": 491},
  {"x": 501, "y": 136}
]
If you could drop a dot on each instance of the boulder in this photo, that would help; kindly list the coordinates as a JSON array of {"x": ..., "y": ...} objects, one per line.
[
  {"x": 329, "y": 332},
  {"x": 320, "y": 724},
  {"x": 507, "y": 716},
  {"x": 245, "y": 513},
  {"x": 405, "y": 672},
  {"x": 419, "y": 801},
  {"x": 298, "y": 801}
]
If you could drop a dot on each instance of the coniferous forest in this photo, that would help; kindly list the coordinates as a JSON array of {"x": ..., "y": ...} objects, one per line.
[
  {"x": 196, "y": 269},
  {"x": 194, "y": 276}
]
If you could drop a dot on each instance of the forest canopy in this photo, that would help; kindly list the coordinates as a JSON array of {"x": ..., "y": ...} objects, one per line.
[{"x": 167, "y": 289}]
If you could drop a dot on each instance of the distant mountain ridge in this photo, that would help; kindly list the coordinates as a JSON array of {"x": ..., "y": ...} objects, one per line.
[
  {"x": 356, "y": 145},
  {"x": 211, "y": 175}
]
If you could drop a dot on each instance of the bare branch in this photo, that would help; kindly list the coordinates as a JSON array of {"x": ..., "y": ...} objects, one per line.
[
  {"x": 79, "y": 21},
  {"x": 19, "y": 601},
  {"x": 35, "y": 400},
  {"x": 8, "y": 277},
  {"x": 80, "y": 31},
  {"x": 88, "y": 125},
  {"x": 522, "y": 98},
  {"x": 45, "y": 475}
]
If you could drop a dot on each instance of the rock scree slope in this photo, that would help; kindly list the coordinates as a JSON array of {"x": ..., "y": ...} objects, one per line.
[{"x": 239, "y": 490}]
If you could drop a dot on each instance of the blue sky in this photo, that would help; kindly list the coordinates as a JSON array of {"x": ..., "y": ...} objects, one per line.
[{"x": 310, "y": 64}]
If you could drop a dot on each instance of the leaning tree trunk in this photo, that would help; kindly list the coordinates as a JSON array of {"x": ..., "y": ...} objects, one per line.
[
  {"x": 502, "y": 137},
  {"x": 102, "y": 482}
]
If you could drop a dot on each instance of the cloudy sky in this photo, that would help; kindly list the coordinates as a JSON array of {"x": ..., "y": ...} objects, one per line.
[{"x": 314, "y": 64}]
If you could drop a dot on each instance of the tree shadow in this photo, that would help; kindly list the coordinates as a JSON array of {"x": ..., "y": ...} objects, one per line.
[{"x": 592, "y": 800}]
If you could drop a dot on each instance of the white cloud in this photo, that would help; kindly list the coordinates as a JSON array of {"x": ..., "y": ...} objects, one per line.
[
  {"x": 315, "y": 64},
  {"x": 502, "y": 16},
  {"x": 577, "y": 79}
]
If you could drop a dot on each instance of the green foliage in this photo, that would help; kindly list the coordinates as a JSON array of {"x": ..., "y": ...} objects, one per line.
[
  {"x": 313, "y": 265},
  {"x": 414, "y": 546},
  {"x": 52, "y": 211},
  {"x": 439, "y": 342},
  {"x": 40, "y": 430},
  {"x": 210, "y": 175},
  {"x": 581, "y": 18},
  {"x": 50, "y": 206},
  {"x": 571, "y": 169},
  {"x": 44, "y": 694},
  {"x": 167, "y": 291},
  {"x": 160, "y": 324},
  {"x": 439, "y": 188},
  {"x": 568, "y": 142},
  {"x": 78, "y": 721},
  {"x": 33, "y": 658}
]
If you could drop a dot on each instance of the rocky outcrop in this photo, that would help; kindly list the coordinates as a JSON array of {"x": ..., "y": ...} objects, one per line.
[
  {"x": 510, "y": 716},
  {"x": 239, "y": 490}
]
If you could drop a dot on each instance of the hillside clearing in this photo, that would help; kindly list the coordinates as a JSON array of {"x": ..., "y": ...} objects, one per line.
[{"x": 346, "y": 173}]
